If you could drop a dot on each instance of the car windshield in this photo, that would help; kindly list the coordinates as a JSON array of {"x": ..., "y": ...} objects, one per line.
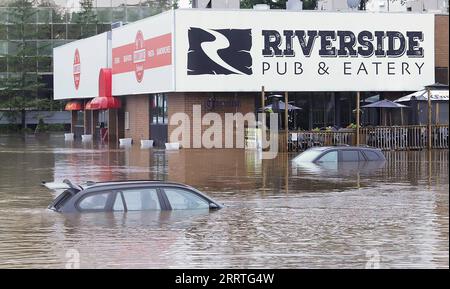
[{"x": 308, "y": 156}]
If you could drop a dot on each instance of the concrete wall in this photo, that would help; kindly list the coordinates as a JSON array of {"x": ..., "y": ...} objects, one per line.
[{"x": 32, "y": 117}]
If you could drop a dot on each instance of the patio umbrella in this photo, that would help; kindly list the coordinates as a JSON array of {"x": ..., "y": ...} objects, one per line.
[
  {"x": 438, "y": 92},
  {"x": 282, "y": 106},
  {"x": 422, "y": 95},
  {"x": 386, "y": 104}
]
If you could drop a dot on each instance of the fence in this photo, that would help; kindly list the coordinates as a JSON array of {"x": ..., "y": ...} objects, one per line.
[{"x": 383, "y": 137}]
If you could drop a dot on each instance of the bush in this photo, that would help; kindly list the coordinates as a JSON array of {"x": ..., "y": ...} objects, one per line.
[{"x": 9, "y": 127}]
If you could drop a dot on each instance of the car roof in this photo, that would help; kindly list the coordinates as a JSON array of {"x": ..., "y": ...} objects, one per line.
[
  {"x": 92, "y": 184},
  {"x": 344, "y": 147}
]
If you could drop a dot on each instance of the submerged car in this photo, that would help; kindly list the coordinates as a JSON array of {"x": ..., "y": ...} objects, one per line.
[
  {"x": 340, "y": 154},
  {"x": 123, "y": 196}
]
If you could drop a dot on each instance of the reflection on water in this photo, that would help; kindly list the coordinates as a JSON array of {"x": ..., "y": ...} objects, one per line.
[{"x": 278, "y": 214}]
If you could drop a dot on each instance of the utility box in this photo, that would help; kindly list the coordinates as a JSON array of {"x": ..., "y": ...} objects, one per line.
[
  {"x": 225, "y": 4},
  {"x": 216, "y": 4},
  {"x": 294, "y": 5}
]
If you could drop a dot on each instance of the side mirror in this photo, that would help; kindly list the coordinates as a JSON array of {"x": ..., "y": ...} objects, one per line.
[{"x": 213, "y": 206}]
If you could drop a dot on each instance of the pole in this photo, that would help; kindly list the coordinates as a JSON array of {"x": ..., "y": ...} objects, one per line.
[
  {"x": 286, "y": 119},
  {"x": 401, "y": 115},
  {"x": 429, "y": 117},
  {"x": 358, "y": 96},
  {"x": 263, "y": 105},
  {"x": 436, "y": 115}
]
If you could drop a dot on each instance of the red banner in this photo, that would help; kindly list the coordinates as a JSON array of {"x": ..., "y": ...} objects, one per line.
[{"x": 142, "y": 55}]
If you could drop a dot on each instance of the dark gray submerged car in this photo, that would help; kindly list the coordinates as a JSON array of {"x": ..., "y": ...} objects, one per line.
[
  {"x": 123, "y": 196},
  {"x": 340, "y": 154}
]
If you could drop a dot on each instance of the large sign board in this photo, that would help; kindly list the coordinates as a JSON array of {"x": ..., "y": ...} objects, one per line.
[
  {"x": 77, "y": 65},
  {"x": 142, "y": 56},
  {"x": 303, "y": 51}
]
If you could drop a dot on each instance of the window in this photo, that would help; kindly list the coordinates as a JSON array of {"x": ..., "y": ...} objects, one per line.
[
  {"x": 44, "y": 15},
  {"x": 94, "y": 202},
  {"x": 3, "y": 32},
  {"x": 158, "y": 108},
  {"x": 329, "y": 157},
  {"x": 141, "y": 199},
  {"x": 118, "y": 14},
  {"x": 180, "y": 199},
  {"x": 73, "y": 31},
  {"x": 118, "y": 203},
  {"x": 350, "y": 156},
  {"x": 127, "y": 120},
  {"x": 308, "y": 156},
  {"x": 371, "y": 156},
  {"x": 44, "y": 31},
  {"x": 59, "y": 31}
]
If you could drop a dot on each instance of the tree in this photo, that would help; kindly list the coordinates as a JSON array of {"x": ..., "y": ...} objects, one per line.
[
  {"x": 19, "y": 90},
  {"x": 86, "y": 18}
]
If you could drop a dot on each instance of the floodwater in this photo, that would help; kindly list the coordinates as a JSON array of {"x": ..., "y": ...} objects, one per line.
[{"x": 278, "y": 215}]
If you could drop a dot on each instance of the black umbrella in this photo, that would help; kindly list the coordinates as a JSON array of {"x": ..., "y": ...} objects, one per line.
[{"x": 385, "y": 103}]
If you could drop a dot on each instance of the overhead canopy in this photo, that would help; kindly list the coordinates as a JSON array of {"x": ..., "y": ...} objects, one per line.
[
  {"x": 88, "y": 105},
  {"x": 103, "y": 102},
  {"x": 422, "y": 95},
  {"x": 74, "y": 105},
  {"x": 385, "y": 103}
]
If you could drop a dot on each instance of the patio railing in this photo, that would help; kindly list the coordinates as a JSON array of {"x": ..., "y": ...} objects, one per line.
[{"x": 383, "y": 137}]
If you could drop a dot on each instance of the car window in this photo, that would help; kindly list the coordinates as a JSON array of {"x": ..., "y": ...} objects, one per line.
[
  {"x": 361, "y": 156},
  {"x": 138, "y": 200},
  {"x": 94, "y": 202},
  {"x": 329, "y": 157},
  {"x": 350, "y": 156},
  {"x": 371, "y": 156},
  {"x": 181, "y": 199},
  {"x": 118, "y": 203},
  {"x": 308, "y": 156}
]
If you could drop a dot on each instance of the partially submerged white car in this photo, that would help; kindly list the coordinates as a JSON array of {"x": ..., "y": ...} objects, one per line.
[{"x": 123, "y": 196}]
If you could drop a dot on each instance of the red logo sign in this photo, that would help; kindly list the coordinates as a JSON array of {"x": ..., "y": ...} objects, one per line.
[
  {"x": 76, "y": 69},
  {"x": 139, "y": 56}
]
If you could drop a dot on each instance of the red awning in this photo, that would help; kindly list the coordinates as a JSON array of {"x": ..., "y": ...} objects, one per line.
[
  {"x": 105, "y": 82},
  {"x": 74, "y": 105},
  {"x": 88, "y": 106},
  {"x": 103, "y": 102}
]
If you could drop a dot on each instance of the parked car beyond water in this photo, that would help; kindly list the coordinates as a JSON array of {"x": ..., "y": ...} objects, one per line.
[
  {"x": 123, "y": 196},
  {"x": 340, "y": 154}
]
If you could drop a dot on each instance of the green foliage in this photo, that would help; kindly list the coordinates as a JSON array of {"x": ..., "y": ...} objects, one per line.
[
  {"x": 18, "y": 91},
  {"x": 86, "y": 17}
]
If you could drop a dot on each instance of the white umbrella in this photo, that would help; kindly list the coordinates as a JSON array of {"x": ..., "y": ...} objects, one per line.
[{"x": 422, "y": 95}]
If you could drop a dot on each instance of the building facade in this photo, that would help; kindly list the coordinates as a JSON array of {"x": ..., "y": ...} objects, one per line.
[
  {"x": 196, "y": 61},
  {"x": 52, "y": 23}
]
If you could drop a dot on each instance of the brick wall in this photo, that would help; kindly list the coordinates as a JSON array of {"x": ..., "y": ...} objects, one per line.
[
  {"x": 184, "y": 102},
  {"x": 441, "y": 40},
  {"x": 441, "y": 47},
  {"x": 139, "y": 120}
]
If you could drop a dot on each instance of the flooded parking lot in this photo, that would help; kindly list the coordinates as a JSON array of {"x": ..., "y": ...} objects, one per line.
[{"x": 278, "y": 214}]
